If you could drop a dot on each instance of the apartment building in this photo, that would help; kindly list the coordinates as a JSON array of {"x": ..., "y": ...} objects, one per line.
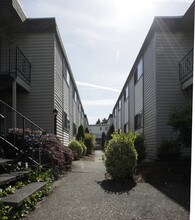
[
  {"x": 161, "y": 78},
  {"x": 35, "y": 75},
  {"x": 97, "y": 130}
]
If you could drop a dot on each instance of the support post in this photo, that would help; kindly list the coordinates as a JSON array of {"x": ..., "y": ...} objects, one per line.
[{"x": 14, "y": 91}]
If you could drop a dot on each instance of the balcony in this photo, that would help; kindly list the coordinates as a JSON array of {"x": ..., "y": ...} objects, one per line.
[
  {"x": 186, "y": 70},
  {"x": 13, "y": 63}
]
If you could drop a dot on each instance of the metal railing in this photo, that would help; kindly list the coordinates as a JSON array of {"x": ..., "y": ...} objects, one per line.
[
  {"x": 15, "y": 63},
  {"x": 14, "y": 127},
  {"x": 186, "y": 66}
]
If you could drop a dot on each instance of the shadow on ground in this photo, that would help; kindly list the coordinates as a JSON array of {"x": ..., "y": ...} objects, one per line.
[
  {"x": 116, "y": 186},
  {"x": 172, "y": 179}
]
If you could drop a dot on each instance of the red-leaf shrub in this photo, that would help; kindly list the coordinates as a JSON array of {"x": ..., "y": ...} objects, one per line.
[{"x": 61, "y": 154}]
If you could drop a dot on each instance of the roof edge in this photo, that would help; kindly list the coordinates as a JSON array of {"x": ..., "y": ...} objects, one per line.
[{"x": 17, "y": 6}]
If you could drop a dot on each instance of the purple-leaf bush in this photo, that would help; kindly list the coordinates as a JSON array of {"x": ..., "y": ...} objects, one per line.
[{"x": 62, "y": 155}]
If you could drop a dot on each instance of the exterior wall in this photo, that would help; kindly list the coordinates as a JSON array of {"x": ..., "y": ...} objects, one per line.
[
  {"x": 139, "y": 96},
  {"x": 49, "y": 87},
  {"x": 58, "y": 89},
  {"x": 37, "y": 105},
  {"x": 171, "y": 48},
  {"x": 149, "y": 122},
  {"x": 132, "y": 103},
  {"x": 97, "y": 131}
]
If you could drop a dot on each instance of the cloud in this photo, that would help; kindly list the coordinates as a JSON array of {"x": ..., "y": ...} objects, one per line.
[
  {"x": 117, "y": 54},
  {"x": 97, "y": 86},
  {"x": 99, "y": 102}
]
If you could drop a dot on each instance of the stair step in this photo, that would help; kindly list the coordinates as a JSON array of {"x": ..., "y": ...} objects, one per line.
[
  {"x": 18, "y": 197},
  {"x": 7, "y": 178},
  {"x": 5, "y": 161}
]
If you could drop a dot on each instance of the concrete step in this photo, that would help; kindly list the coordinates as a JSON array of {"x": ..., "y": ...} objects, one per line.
[
  {"x": 7, "y": 178},
  {"x": 5, "y": 161},
  {"x": 18, "y": 197}
]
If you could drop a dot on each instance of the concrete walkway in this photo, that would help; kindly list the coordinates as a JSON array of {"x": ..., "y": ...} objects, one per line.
[{"x": 85, "y": 194}]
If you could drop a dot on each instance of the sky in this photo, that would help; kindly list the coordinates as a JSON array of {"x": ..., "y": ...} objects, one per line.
[{"x": 102, "y": 39}]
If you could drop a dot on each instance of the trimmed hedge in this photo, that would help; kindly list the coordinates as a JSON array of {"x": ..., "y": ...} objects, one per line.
[
  {"x": 76, "y": 147},
  {"x": 121, "y": 156}
]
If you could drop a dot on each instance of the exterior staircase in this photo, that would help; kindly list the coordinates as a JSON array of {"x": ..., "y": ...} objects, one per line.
[{"x": 16, "y": 199}]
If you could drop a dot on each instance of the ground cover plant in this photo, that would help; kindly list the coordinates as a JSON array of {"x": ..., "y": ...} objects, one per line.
[{"x": 8, "y": 212}]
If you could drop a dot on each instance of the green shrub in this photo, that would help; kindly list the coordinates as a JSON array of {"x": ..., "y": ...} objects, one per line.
[
  {"x": 168, "y": 150},
  {"x": 110, "y": 132},
  {"x": 83, "y": 147},
  {"x": 80, "y": 135},
  {"x": 121, "y": 156},
  {"x": 140, "y": 147},
  {"x": 75, "y": 146},
  {"x": 103, "y": 140},
  {"x": 89, "y": 142},
  {"x": 181, "y": 121}
]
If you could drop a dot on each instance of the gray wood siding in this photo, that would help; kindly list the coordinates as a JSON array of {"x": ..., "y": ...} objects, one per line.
[
  {"x": 58, "y": 90},
  {"x": 149, "y": 115},
  {"x": 131, "y": 103},
  {"x": 139, "y": 96},
  {"x": 38, "y": 104},
  {"x": 171, "y": 48},
  {"x": 71, "y": 102},
  {"x": 126, "y": 115}
]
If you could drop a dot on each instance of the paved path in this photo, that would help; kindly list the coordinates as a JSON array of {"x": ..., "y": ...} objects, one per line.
[{"x": 85, "y": 195}]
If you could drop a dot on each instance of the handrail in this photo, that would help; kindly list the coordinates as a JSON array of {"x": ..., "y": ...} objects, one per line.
[
  {"x": 13, "y": 61},
  {"x": 186, "y": 66},
  {"x": 12, "y": 141},
  {"x": 21, "y": 115}
]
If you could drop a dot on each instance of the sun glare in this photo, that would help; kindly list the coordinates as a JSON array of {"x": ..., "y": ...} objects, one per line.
[{"x": 130, "y": 9}]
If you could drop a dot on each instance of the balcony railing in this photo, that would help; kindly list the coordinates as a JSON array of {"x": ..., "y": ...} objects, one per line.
[
  {"x": 15, "y": 63},
  {"x": 186, "y": 67}
]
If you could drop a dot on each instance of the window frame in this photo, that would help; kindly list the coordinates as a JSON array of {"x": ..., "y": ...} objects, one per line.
[
  {"x": 138, "y": 121},
  {"x": 66, "y": 121},
  {"x": 138, "y": 72}
]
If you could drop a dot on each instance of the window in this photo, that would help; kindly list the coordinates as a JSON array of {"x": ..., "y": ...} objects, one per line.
[
  {"x": 67, "y": 77},
  {"x": 74, "y": 129},
  {"x": 100, "y": 128},
  {"x": 115, "y": 112},
  {"x": 75, "y": 96},
  {"x": 66, "y": 121},
  {"x": 79, "y": 107},
  {"x": 138, "y": 72},
  {"x": 138, "y": 121},
  {"x": 126, "y": 93},
  {"x": 119, "y": 105},
  {"x": 126, "y": 128}
]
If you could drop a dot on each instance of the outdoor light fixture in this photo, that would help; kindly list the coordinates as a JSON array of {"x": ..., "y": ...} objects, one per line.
[{"x": 55, "y": 113}]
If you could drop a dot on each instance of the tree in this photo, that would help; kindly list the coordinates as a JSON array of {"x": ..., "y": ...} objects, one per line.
[
  {"x": 80, "y": 135},
  {"x": 104, "y": 121},
  {"x": 86, "y": 130},
  {"x": 103, "y": 140},
  {"x": 98, "y": 122},
  {"x": 110, "y": 132}
]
